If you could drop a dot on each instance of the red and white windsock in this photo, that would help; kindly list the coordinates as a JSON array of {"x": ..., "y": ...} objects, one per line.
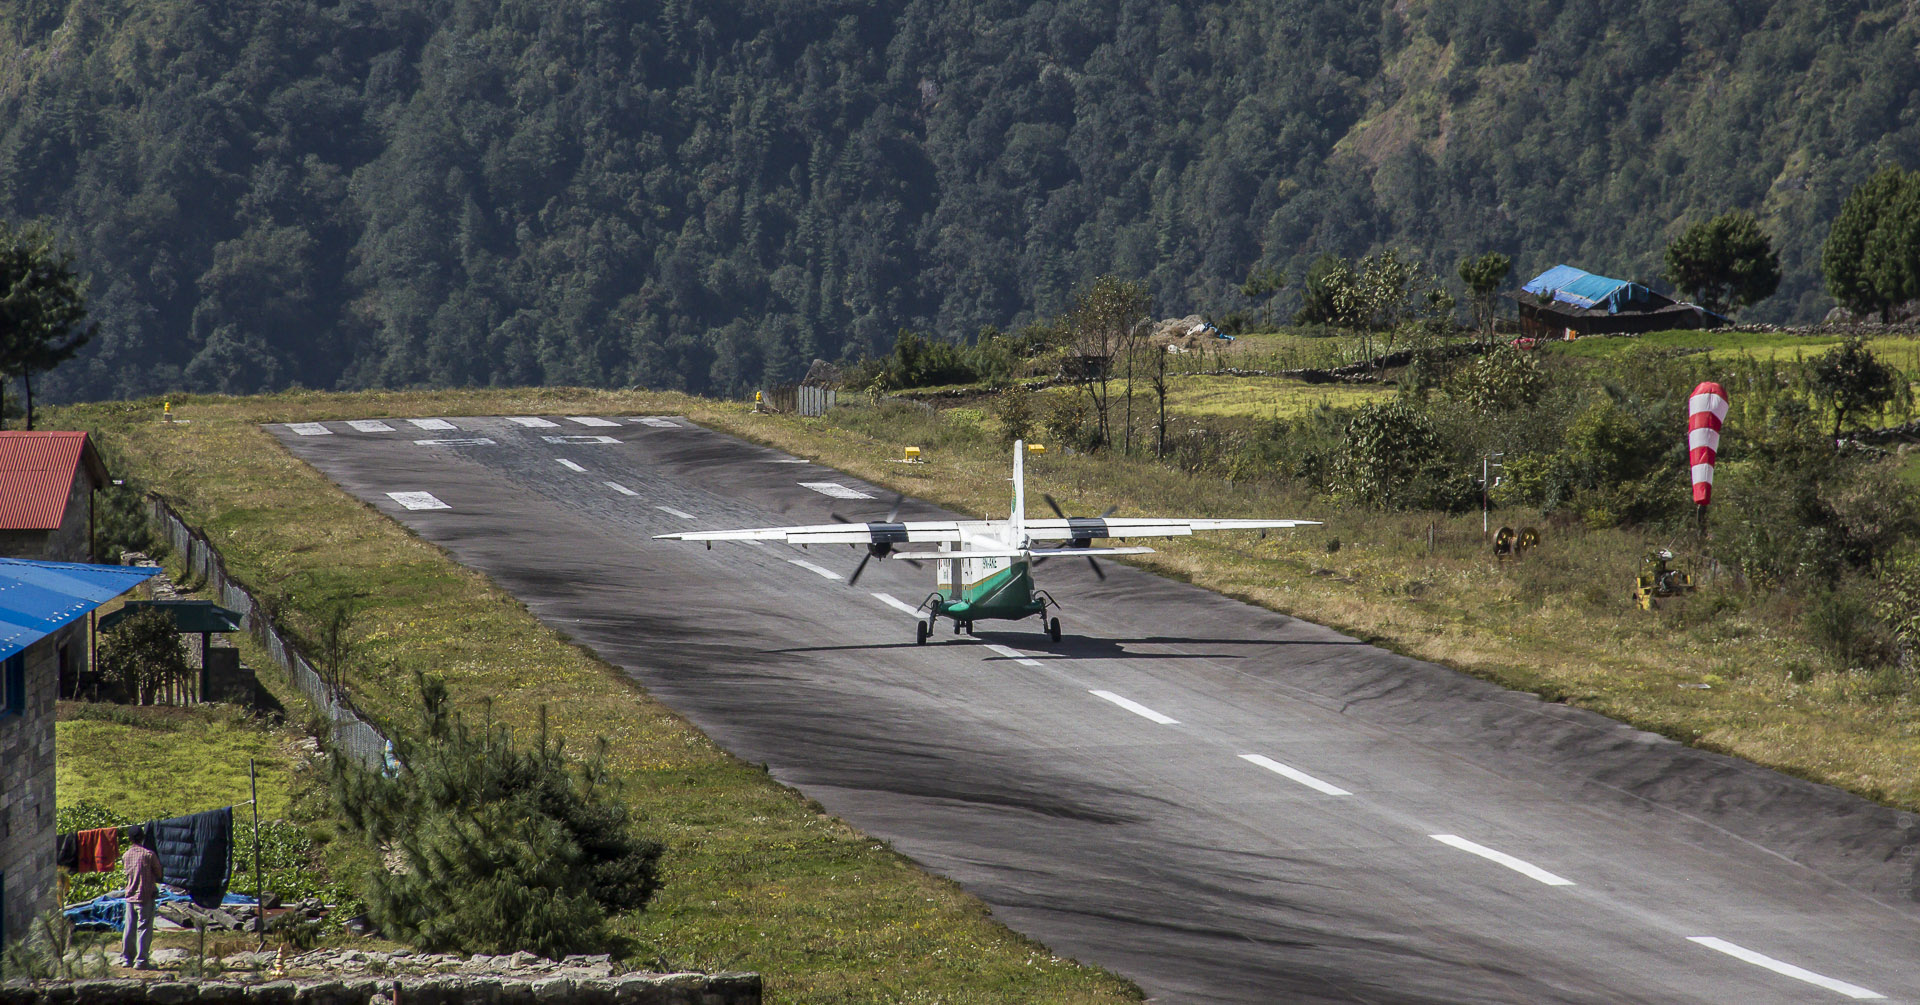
[{"x": 1706, "y": 410}]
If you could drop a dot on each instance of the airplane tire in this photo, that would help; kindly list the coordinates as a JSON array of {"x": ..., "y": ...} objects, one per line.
[
  {"x": 1053, "y": 629},
  {"x": 920, "y": 632}
]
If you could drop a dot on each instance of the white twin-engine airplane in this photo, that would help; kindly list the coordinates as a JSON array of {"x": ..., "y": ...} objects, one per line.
[{"x": 983, "y": 568}]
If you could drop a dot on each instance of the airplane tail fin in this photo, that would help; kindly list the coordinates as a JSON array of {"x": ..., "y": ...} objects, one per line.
[{"x": 1019, "y": 521}]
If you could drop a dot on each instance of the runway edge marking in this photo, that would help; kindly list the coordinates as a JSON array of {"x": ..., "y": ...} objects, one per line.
[{"x": 816, "y": 570}]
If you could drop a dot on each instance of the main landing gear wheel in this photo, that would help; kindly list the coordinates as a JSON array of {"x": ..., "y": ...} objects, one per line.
[
  {"x": 920, "y": 632},
  {"x": 1053, "y": 629}
]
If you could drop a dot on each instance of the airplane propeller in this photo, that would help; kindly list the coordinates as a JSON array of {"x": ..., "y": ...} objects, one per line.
[
  {"x": 1078, "y": 542},
  {"x": 878, "y": 549}
]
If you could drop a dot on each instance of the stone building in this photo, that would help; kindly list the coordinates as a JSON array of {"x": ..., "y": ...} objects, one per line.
[
  {"x": 43, "y": 610},
  {"x": 47, "y": 480}
]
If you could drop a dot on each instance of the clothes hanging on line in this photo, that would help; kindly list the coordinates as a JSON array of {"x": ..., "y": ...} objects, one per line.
[
  {"x": 196, "y": 853},
  {"x": 66, "y": 854},
  {"x": 99, "y": 850}
]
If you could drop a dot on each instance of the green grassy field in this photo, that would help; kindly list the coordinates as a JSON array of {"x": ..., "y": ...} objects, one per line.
[
  {"x": 163, "y": 761},
  {"x": 755, "y": 877}
]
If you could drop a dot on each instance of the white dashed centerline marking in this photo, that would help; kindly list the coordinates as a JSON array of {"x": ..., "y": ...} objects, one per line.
[
  {"x": 579, "y": 438},
  {"x": 897, "y": 604},
  {"x": 1016, "y": 655},
  {"x": 436, "y": 424},
  {"x": 588, "y": 420},
  {"x": 810, "y": 567},
  {"x": 1522, "y": 867},
  {"x": 309, "y": 429},
  {"x": 532, "y": 422},
  {"x": 622, "y": 489},
  {"x": 1784, "y": 969},
  {"x": 669, "y": 510},
  {"x": 456, "y": 441},
  {"x": 835, "y": 490},
  {"x": 1135, "y": 707},
  {"x": 1299, "y": 776},
  {"x": 370, "y": 425},
  {"x": 569, "y": 465},
  {"x": 418, "y": 500}
]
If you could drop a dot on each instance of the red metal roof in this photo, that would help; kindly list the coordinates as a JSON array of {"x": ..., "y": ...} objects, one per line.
[{"x": 36, "y": 474}]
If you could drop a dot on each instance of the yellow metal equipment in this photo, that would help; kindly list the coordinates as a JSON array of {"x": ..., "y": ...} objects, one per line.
[
  {"x": 1658, "y": 580},
  {"x": 1036, "y": 448},
  {"x": 913, "y": 455}
]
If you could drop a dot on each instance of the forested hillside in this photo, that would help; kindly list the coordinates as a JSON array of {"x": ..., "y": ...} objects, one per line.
[{"x": 694, "y": 195}]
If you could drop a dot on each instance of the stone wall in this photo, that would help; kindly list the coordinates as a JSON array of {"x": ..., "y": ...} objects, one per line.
[
  {"x": 70, "y": 542},
  {"x": 447, "y": 989},
  {"x": 26, "y": 788}
]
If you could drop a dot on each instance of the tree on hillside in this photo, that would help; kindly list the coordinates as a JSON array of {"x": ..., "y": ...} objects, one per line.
[
  {"x": 1327, "y": 279},
  {"x": 43, "y": 306},
  {"x": 1852, "y": 381},
  {"x": 1484, "y": 276},
  {"x": 1724, "y": 263},
  {"x": 1872, "y": 255},
  {"x": 1262, "y": 285},
  {"x": 1106, "y": 318}
]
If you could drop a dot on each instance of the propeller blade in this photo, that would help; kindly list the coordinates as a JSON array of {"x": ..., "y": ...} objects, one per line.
[
  {"x": 858, "y": 569},
  {"x": 1054, "y": 506},
  {"x": 898, "y": 498},
  {"x": 910, "y": 561},
  {"x": 1096, "y": 568},
  {"x": 1039, "y": 560},
  {"x": 837, "y": 518},
  {"x": 1110, "y": 511}
]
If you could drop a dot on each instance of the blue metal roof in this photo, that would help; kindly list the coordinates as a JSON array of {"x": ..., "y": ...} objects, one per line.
[
  {"x": 37, "y": 598},
  {"x": 1586, "y": 290}
]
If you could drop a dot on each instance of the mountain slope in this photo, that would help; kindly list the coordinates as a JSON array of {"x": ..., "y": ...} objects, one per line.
[{"x": 402, "y": 192}]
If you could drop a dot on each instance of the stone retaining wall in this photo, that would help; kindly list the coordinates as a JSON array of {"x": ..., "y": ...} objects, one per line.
[{"x": 434, "y": 989}]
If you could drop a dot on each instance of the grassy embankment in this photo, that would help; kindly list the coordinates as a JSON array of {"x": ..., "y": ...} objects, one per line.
[{"x": 756, "y": 877}]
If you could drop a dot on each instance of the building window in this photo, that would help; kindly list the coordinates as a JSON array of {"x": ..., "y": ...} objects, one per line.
[{"x": 13, "y": 685}]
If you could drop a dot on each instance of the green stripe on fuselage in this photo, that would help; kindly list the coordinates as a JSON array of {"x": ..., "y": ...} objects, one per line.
[{"x": 1007, "y": 594}]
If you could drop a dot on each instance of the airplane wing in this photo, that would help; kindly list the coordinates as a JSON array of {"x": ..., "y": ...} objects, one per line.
[
  {"x": 1091, "y": 527},
  {"x": 917, "y": 532}
]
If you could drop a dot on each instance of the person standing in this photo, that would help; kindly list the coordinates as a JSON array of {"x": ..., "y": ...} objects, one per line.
[{"x": 143, "y": 887}]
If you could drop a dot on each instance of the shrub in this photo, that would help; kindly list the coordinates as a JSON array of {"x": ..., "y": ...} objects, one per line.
[
  {"x": 1015, "y": 408},
  {"x": 504, "y": 847},
  {"x": 1393, "y": 458},
  {"x": 1842, "y": 623}
]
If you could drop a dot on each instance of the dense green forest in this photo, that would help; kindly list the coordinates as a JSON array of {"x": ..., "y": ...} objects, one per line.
[{"x": 345, "y": 193}]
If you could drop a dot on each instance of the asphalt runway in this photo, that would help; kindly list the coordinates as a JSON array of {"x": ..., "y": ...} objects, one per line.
[{"x": 1222, "y": 803}]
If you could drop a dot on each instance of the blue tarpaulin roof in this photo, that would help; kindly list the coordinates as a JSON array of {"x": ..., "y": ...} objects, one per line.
[
  {"x": 37, "y": 598},
  {"x": 1586, "y": 290}
]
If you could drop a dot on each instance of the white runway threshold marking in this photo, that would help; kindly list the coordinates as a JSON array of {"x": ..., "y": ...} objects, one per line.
[
  {"x": 1014, "y": 654},
  {"x": 456, "y": 441},
  {"x": 370, "y": 425},
  {"x": 810, "y": 567},
  {"x": 436, "y": 424},
  {"x": 1299, "y": 776},
  {"x": 532, "y": 421},
  {"x": 657, "y": 422},
  {"x": 1520, "y": 866},
  {"x": 418, "y": 500},
  {"x": 897, "y": 604},
  {"x": 579, "y": 438},
  {"x": 569, "y": 465},
  {"x": 588, "y": 420},
  {"x": 670, "y": 511},
  {"x": 622, "y": 489},
  {"x": 1784, "y": 969},
  {"x": 1135, "y": 707},
  {"x": 309, "y": 429},
  {"x": 835, "y": 490}
]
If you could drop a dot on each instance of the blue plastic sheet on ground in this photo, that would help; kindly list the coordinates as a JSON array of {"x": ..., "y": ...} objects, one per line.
[{"x": 109, "y": 910}]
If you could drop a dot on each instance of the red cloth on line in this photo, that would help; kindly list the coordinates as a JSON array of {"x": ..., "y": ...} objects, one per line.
[{"x": 99, "y": 850}]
